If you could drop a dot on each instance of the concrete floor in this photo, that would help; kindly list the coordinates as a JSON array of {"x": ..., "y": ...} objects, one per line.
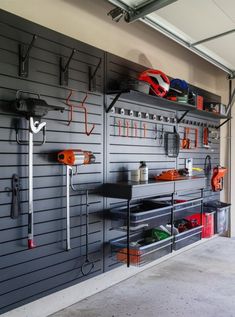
[{"x": 197, "y": 283}]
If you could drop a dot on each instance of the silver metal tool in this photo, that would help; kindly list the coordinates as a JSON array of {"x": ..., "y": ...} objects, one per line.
[{"x": 34, "y": 128}]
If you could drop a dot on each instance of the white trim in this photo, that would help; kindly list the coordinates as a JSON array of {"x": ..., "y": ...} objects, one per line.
[{"x": 50, "y": 304}]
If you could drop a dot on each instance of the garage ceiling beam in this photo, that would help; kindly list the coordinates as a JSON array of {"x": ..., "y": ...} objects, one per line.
[
  {"x": 179, "y": 40},
  {"x": 120, "y": 4},
  {"x": 213, "y": 37},
  {"x": 148, "y": 8},
  {"x": 135, "y": 14}
]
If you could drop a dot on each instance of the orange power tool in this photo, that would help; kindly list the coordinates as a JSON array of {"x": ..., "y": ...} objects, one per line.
[
  {"x": 76, "y": 157},
  {"x": 217, "y": 180}
]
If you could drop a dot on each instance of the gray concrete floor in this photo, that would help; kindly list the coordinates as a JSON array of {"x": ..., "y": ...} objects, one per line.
[{"x": 197, "y": 283}]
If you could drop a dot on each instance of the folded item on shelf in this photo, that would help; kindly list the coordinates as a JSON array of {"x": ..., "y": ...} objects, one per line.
[{"x": 135, "y": 256}]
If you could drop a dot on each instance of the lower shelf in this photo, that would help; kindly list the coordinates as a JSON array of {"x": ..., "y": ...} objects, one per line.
[
  {"x": 143, "y": 254},
  {"x": 187, "y": 237},
  {"x": 140, "y": 255}
]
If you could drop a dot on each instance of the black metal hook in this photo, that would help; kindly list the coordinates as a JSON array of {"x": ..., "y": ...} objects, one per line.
[
  {"x": 64, "y": 69},
  {"x": 92, "y": 75},
  {"x": 24, "y": 57}
]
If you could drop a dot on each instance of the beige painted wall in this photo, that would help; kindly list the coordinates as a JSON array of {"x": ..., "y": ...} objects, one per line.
[{"x": 87, "y": 21}]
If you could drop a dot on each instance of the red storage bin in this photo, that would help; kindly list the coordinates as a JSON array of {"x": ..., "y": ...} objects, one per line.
[{"x": 207, "y": 222}]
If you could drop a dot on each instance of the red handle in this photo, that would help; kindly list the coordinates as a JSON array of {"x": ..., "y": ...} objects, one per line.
[{"x": 31, "y": 244}]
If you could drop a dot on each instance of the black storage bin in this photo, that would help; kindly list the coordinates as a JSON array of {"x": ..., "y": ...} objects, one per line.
[
  {"x": 145, "y": 214},
  {"x": 187, "y": 237},
  {"x": 140, "y": 255},
  {"x": 222, "y": 211}
]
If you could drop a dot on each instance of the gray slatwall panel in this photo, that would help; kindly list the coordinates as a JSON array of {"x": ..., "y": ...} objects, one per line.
[
  {"x": 23, "y": 268},
  {"x": 46, "y": 284},
  {"x": 59, "y": 267},
  {"x": 124, "y": 153},
  {"x": 201, "y": 152},
  {"x": 48, "y": 204},
  {"x": 56, "y": 239}
]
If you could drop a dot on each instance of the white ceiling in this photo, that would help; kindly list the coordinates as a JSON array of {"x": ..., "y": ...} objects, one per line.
[{"x": 195, "y": 20}]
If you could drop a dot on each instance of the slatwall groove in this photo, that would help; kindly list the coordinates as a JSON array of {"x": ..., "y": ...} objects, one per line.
[
  {"x": 60, "y": 286},
  {"x": 20, "y": 269},
  {"x": 55, "y": 279},
  {"x": 56, "y": 244},
  {"x": 35, "y": 276}
]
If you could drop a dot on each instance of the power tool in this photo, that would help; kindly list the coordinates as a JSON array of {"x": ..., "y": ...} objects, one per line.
[
  {"x": 217, "y": 180},
  {"x": 76, "y": 157}
]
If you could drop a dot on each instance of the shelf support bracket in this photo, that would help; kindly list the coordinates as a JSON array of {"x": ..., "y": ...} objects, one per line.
[
  {"x": 92, "y": 76},
  {"x": 24, "y": 57},
  {"x": 219, "y": 126},
  {"x": 64, "y": 69},
  {"x": 182, "y": 117},
  {"x": 113, "y": 102}
]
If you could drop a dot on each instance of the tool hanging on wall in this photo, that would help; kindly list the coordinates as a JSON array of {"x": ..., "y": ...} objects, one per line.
[
  {"x": 15, "y": 193},
  {"x": 127, "y": 126},
  {"x": 161, "y": 136},
  {"x": 72, "y": 158},
  {"x": 206, "y": 138},
  {"x": 119, "y": 127},
  {"x": 15, "y": 204},
  {"x": 187, "y": 143},
  {"x": 135, "y": 129},
  {"x": 145, "y": 129},
  {"x": 88, "y": 265},
  {"x": 72, "y": 106},
  {"x": 186, "y": 140},
  {"x": 32, "y": 108},
  {"x": 172, "y": 143},
  {"x": 217, "y": 180},
  {"x": 207, "y": 168}
]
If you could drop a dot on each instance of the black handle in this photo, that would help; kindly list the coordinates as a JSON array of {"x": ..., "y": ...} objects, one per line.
[{"x": 15, "y": 205}]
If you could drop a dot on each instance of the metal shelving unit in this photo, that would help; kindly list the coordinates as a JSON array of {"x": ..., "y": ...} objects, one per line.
[{"x": 152, "y": 189}]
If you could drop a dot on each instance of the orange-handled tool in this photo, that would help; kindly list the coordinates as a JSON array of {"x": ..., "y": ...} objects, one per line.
[{"x": 76, "y": 157}]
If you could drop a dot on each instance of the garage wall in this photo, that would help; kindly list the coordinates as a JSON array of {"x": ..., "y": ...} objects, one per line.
[
  {"x": 88, "y": 22},
  {"x": 27, "y": 275}
]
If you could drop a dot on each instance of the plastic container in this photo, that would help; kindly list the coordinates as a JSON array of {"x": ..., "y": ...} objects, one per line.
[
  {"x": 187, "y": 237},
  {"x": 140, "y": 255},
  {"x": 183, "y": 208},
  {"x": 144, "y": 174},
  {"x": 207, "y": 223},
  {"x": 147, "y": 213},
  {"x": 222, "y": 211}
]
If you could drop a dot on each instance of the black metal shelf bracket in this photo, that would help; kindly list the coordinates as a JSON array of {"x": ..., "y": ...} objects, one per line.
[
  {"x": 92, "y": 76},
  {"x": 64, "y": 69},
  {"x": 114, "y": 101},
  {"x": 182, "y": 117},
  {"x": 24, "y": 57},
  {"x": 219, "y": 126}
]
